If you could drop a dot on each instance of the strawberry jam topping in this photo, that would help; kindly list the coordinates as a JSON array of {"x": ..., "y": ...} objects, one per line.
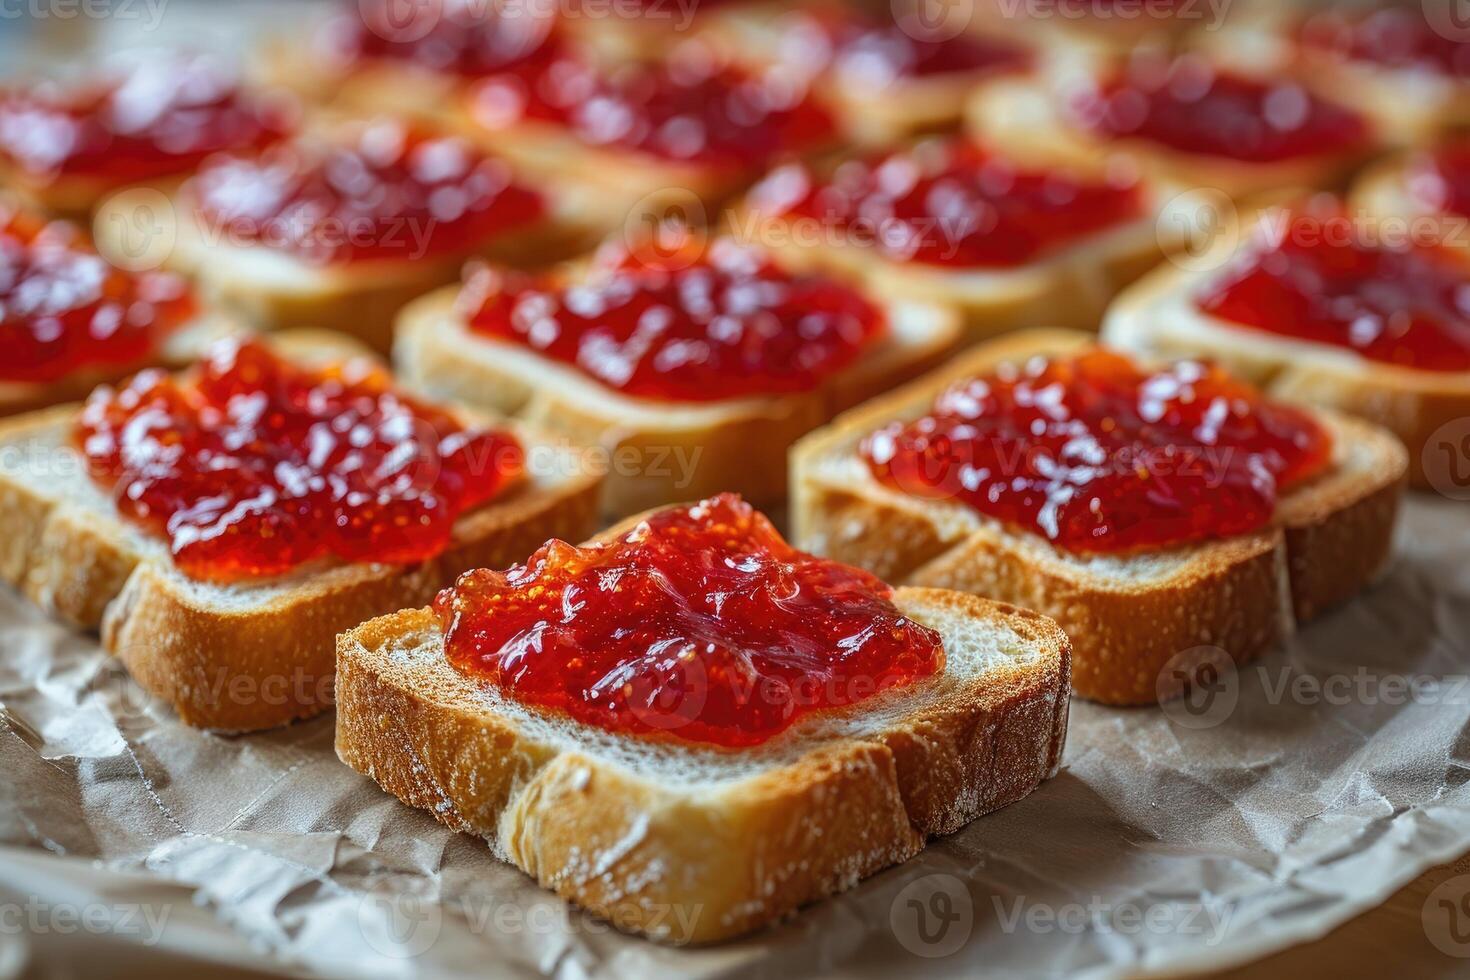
[
  {"x": 701, "y": 622},
  {"x": 714, "y": 323},
  {"x": 1317, "y": 278},
  {"x": 1100, "y": 456},
  {"x": 1396, "y": 38},
  {"x": 157, "y": 118},
  {"x": 875, "y": 52},
  {"x": 469, "y": 38},
  {"x": 1440, "y": 180},
  {"x": 688, "y": 109},
  {"x": 63, "y": 308},
  {"x": 1189, "y": 106},
  {"x": 254, "y": 466},
  {"x": 386, "y": 194},
  {"x": 951, "y": 204}
]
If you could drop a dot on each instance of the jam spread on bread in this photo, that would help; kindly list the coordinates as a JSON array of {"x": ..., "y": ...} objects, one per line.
[
  {"x": 387, "y": 193},
  {"x": 1100, "y": 455},
  {"x": 875, "y": 52},
  {"x": 1316, "y": 277},
  {"x": 701, "y": 622},
  {"x": 950, "y": 203},
  {"x": 689, "y": 109},
  {"x": 469, "y": 38},
  {"x": 1188, "y": 105},
  {"x": 160, "y": 117},
  {"x": 1395, "y": 38},
  {"x": 63, "y": 308},
  {"x": 253, "y": 465},
  {"x": 694, "y": 324},
  {"x": 1440, "y": 179}
]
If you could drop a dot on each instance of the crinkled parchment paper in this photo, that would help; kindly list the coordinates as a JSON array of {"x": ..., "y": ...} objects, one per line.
[{"x": 1299, "y": 792}]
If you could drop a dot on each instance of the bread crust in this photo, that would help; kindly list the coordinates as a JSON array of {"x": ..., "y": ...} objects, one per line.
[
  {"x": 688, "y": 863},
  {"x": 1411, "y": 404},
  {"x": 244, "y": 666},
  {"x": 1241, "y": 594},
  {"x": 680, "y": 451}
]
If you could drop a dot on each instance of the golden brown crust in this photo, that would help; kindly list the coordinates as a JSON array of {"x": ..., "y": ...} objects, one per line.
[
  {"x": 671, "y": 457},
  {"x": 1334, "y": 536},
  {"x": 695, "y": 863}
]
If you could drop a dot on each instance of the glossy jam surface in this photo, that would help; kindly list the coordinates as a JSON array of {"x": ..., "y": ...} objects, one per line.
[
  {"x": 385, "y": 193},
  {"x": 874, "y": 52},
  {"x": 701, "y": 623},
  {"x": 469, "y": 38},
  {"x": 1405, "y": 38},
  {"x": 257, "y": 466},
  {"x": 1187, "y": 105},
  {"x": 159, "y": 117},
  {"x": 64, "y": 309},
  {"x": 1314, "y": 278},
  {"x": 951, "y": 204},
  {"x": 1100, "y": 456},
  {"x": 687, "y": 109},
  {"x": 1440, "y": 179},
  {"x": 720, "y": 322}
]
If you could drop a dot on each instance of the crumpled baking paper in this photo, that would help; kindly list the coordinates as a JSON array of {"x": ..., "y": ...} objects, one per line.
[{"x": 1286, "y": 798}]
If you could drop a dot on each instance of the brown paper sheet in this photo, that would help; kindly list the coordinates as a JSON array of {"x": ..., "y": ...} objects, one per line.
[{"x": 1312, "y": 786}]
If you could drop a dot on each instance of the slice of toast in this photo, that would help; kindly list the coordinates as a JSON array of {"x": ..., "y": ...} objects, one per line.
[
  {"x": 1128, "y": 616},
  {"x": 659, "y": 452},
  {"x": 1158, "y": 316},
  {"x": 243, "y": 656},
  {"x": 687, "y": 843}
]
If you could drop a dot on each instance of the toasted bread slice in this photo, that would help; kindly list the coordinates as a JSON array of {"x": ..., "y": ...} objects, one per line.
[
  {"x": 691, "y": 843},
  {"x": 660, "y": 452},
  {"x": 1069, "y": 287},
  {"x": 1127, "y": 615},
  {"x": 273, "y": 290},
  {"x": 1028, "y": 116},
  {"x": 243, "y": 656},
  {"x": 1158, "y": 316}
]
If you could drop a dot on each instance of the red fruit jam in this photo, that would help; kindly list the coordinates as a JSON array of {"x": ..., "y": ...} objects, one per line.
[
  {"x": 158, "y": 118},
  {"x": 1315, "y": 278},
  {"x": 701, "y": 623},
  {"x": 725, "y": 322},
  {"x": 387, "y": 194},
  {"x": 1100, "y": 456},
  {"x": 469, "y": 38},
  {"x": 952, "y": 204},
  {"x": 689, "y": 109},
  {"x": 877, "y": 52},
  {"x": 1397, "y": 38},
  {"x": 1187, "y": 105},
  {"x": 256, "y": 466},
  {"x": 63, "y": 308},
  {"x": 1440, "y": 180}
]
